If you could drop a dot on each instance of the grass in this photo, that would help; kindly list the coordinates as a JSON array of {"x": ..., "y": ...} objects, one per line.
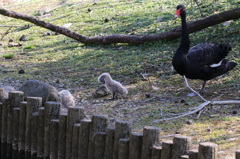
[{"x": 49, "y": 57}]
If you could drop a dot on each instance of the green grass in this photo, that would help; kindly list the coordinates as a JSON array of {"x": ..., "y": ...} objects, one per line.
[
  {"x": 8, "y": 56},
  {"x": 77, "y": 66}
]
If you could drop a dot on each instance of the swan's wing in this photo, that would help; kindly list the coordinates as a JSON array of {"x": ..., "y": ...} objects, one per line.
[{"x": 208, "y": 54}]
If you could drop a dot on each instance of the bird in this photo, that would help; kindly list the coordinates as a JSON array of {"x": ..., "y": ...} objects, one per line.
[
  {"x": 203, "y": 61},
  {"x": 114, "y": 87},
  {"x": 67, "y": 99}
]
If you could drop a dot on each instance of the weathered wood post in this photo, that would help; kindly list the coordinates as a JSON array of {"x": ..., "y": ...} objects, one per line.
[
  {"x": 99, "y": 124},
  {"x": 99, "y": 145},
  {"x": 167, "y": 147},
  {"x": 40, "y": 138},
  {"x": 33, "y": 104},
  {"x": 1, "y": 100},
  {"x": 151, "y": 137},
  {"x": 15, "y": 99},
  {"x": 156, "y": 152},
  {"x": 0, "y": 125},
  {"x": 22, "y": 130},
  {"x": 123, "y": 129},
  {"x": 181, "y": 146},
  {"x": 110, "y": 133},
  {"x": 16, "y": 115},
  {"x": 1, "y": 95},
  {"x": 207, "y": 150},
  {"x": 75, "y": 115},
  {"x": 62, "y": 129},
  {"x": 238, "y": 154},
  {"x": 84, "y": 131},
  {"x": 34, "y": 135},
  {"x": 193, "y": 154},
  {"x": 54, "y": 123},
  {"x": 75, "y": 141},
  {"x": 52, "y": 110},
  {"x": 184, "y": 157},
  {"x": 123, "y": 148},
  {"x": 4, "y": 127},
  {"x": 135, "y": 145}
]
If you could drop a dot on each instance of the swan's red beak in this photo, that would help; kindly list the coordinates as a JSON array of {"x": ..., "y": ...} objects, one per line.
[{"x": 177, "y": 13}]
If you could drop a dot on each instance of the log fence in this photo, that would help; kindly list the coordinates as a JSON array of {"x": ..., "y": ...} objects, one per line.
[{"x": 30, "y": 131}]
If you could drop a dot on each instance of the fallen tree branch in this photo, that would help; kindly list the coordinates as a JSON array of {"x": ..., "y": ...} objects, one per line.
[
  {"x": 200, "y": 107},
  {"x": 193, "y": 89},
  {"x": 185, "y": 114},
  {"x": 6, "y": 32},
  {"x": 131, "y": 39}
]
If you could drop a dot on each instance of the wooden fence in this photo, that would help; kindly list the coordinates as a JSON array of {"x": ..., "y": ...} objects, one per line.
[{"x": 29, "y": 130}]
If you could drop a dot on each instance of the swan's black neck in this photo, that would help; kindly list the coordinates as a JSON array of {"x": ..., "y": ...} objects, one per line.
[{"x": 185, "y": 41}]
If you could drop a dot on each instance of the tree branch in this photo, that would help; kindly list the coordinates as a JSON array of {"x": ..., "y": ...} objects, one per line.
[
  {"x": 200, "y": 107},
  {"x": 131, "y": 39}
]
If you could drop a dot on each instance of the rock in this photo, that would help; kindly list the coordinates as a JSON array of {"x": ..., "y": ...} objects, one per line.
[
  {"x": 7, "y": 89},
  {"x": 21, "y": 71},
  {"x": 35, "y": 88},
  {"x": 23, "y": 38},
  {"x": 189, "y": 122},
  {"x": 100, "y": 92},
  {"x": 67, "y": 99},
  {"x": 234, "y": 112}
]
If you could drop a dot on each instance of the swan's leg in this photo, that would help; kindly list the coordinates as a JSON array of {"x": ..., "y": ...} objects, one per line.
[
  {"x": 193, "y": 89},
  {"x": 113, "y": 97},
  {"x": 203, "y": 85}
]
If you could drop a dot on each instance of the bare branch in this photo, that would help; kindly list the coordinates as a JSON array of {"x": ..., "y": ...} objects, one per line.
[
  {"x": 185, "y": 114},
  {"x": 193, "y": 89},
  {"x": 131, "y": 39}
]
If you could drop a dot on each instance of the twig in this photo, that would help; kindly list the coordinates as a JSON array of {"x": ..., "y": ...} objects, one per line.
[
  {"x": 200, "y": 107},
  {"x": 226, "y": 102},
  {"x": 199, "y": 7},
  {"x": 193, "y": 89},
  {"x": 6, "y": 32},
  {"x": 185, "y": 114}
]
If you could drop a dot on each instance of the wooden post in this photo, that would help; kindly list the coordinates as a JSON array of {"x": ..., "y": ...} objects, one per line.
[
  {"x": 156, "y": 152},
  {"x": 150, "y": 137},
  {"x": 4, "y": 127},
  {"x": 123, "y": 148},
  {"x": 1, "y": 95},
  {"x": 110, "y": 133},
  {"x": 122, "y": 130},
  {"x": 40, "y": 138},
  {"x": 193, "y": 154},
  {"x": 99, "y": 139},
  {"x": 238, "y": 154},
  {"x": 75, "y": 141},
  {"x": 0, "y": 125},
  {"x": 54, "y": 138},
  {"x": 167, "y": 147},
  {"x": 16, "y": 112},
  {"x": 52, "y": 110},
  {"x": 99, "y": 124},
  {"x": 62, "y": 129},
  {"x": 75, "y": 114},
  {"x": 15, "y": 99},
  {"x": 34, "y": 135},
  {"x": 22, "y": 130},
  {"x": 33, "y": 104},
  {"x": 181, "y": 146},
  {"x": 135, "y": 145},
  {"x": 207, "y": 150},
  {"x": 85, "y": 125}
]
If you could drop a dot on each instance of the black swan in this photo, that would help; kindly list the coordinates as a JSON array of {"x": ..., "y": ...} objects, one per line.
[
  {"x": 114, "y": 87},
  {"x": 204, "y": 61}
]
